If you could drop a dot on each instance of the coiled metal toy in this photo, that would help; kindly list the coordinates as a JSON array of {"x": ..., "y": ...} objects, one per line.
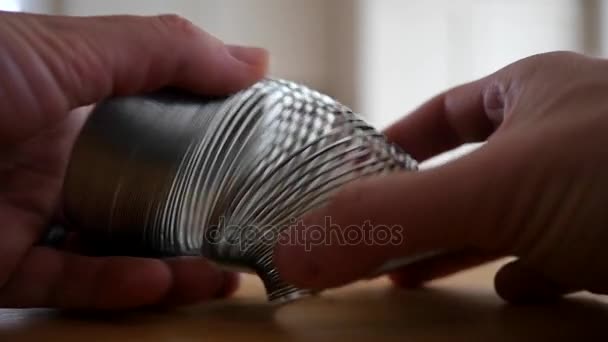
[{"x": 171, "y": 173}]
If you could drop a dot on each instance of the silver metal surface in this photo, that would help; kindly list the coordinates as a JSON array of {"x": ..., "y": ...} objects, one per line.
[{"x": 172, "y": 173}]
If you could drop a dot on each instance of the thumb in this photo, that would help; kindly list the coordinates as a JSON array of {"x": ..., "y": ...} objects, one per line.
[{"x": 457, "y": 205}]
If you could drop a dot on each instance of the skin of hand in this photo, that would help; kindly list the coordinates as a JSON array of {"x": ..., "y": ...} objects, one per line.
[
  {"x": 51, "y": 65},
  {"x": 537, "y": 189}
]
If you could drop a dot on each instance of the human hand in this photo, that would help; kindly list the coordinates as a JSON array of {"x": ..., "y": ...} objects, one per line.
[
  {"x": 50, "y": 65},
  {"x": 537, "y": 189}
]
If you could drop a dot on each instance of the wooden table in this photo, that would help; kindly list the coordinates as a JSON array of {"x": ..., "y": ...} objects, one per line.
[{"x": 459, "y": 308}]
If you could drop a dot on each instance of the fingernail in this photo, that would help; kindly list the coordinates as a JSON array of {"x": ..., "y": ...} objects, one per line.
[{"x": 248, "y": 55}]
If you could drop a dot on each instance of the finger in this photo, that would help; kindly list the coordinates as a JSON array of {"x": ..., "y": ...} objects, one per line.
[
  {"x": 443, "y": 265},
  {"x": 193, "y": 279},
  {"x": 518, "y": 283},
  {"x": 133, "y": 54},
  {"x": 461, "y": 115},
  {"x": 50, "y": 278},
  {"x": 196, "y": 280},
  {"x": 454, "y": 206},
  {"x": 66, "y": 62}
]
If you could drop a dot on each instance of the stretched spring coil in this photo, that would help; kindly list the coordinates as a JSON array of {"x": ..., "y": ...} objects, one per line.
[{"x": 172, "y": 173}]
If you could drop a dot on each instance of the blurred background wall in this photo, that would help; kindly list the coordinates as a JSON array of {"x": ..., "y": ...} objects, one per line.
[{"x": 381, "y": 57}]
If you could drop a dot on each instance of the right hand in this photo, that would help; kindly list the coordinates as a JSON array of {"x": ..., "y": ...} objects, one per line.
[{"x": 538, "y": 189}]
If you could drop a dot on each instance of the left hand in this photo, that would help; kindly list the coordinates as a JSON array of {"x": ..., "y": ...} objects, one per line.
[{"x": 51, "y": 65}]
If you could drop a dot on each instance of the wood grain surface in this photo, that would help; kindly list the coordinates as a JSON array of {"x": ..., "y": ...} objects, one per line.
[{"x": 459, "y": 308}]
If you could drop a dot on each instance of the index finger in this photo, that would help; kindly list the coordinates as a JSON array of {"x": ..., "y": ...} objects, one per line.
[
  {"x": 452, "y": 118},
  {"x": 55, "y": 64}
]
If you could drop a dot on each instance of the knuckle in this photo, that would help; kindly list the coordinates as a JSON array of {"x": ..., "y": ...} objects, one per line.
[
  {"x": 176, "y": 24},
  {"x": 543, "y": 65}
]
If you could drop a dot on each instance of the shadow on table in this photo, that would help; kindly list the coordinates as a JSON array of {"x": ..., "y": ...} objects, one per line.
[{"x": 359, "y": 314}]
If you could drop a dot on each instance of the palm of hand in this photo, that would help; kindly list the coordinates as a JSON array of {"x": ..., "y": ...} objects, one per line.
[
  {"x": 34, "y": 158},
  {"x": 32, "y": 173},
  {"x": 35, "y": 139}
]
